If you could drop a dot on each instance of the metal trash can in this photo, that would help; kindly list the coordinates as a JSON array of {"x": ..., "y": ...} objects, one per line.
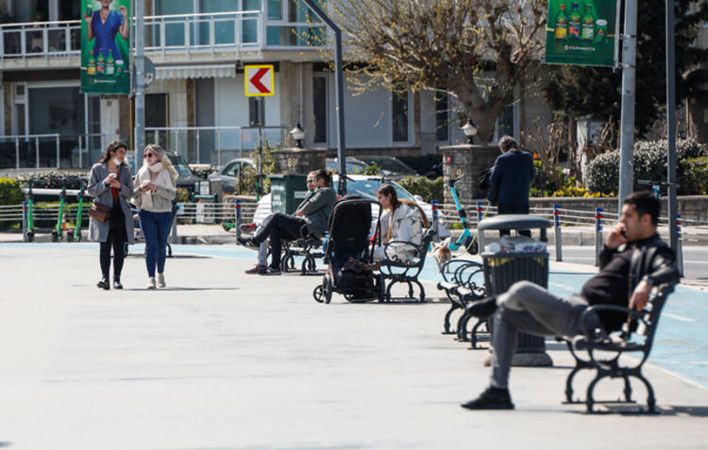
[
  {"x": 501, "y": 270},
  {"x": 287, "y": 191}
]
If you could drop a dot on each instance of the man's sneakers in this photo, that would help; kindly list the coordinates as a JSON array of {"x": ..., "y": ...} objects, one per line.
[
  {"x": 256, "y": 270},
  {"x": 246, "y": 242},
  {"x": 491, "y": 398},
  {"x": 262, "y": 270},
  {"x": 483, "y": 308}
]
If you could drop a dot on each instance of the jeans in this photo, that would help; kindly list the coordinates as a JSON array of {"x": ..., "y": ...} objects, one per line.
[
  {"x": 156, "y": 228},
  {"x": 278, "y": 227},
  {"x": 504, "y": 208},
  {"x": 116, "y": 239},
  {"x": 529, "y": 308}
]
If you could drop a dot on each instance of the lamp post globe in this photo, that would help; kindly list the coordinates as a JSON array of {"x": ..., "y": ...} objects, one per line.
[
  {"x": 298, "y": 134},
  {"x": 470, "y": 129}
]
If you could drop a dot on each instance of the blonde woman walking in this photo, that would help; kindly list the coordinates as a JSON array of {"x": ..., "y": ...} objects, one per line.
[{"x": 154, "y": 192}]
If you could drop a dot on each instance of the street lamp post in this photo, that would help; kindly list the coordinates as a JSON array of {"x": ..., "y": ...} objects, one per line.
[
  {"x": 341, "y": 143},
  {"x": 470, "y": 129}
]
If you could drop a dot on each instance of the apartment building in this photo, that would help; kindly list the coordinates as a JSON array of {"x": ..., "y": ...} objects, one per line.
[{"x": 196, "y": 104}]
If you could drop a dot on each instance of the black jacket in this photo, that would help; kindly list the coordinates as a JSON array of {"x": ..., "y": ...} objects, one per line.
[{"x": 652, "y": 260}]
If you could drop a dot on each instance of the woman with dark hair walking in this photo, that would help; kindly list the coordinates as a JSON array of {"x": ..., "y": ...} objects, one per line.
[{"x": 110, "y": 184}]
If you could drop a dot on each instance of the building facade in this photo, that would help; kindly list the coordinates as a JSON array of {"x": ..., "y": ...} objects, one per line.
[{"x": 196, "y": 104}]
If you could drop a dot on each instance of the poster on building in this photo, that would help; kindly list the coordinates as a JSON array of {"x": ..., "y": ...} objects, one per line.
[
  {"x": 581, "y": 32},
  {"x": 105, "y": 47}
]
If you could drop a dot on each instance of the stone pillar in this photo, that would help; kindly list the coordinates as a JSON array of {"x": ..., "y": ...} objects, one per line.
[
  {"x": 297, "y": 161},
  {"x": 467, "y": 162}
]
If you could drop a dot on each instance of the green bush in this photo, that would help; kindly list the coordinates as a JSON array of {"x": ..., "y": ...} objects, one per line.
[
  {"x": 425, "y": 187},
  {"x": 693, "y": 176},
  {"x": 649, "y": 163},
  {"x": 56, "y": 179},
  {"x": 10, "y": 192}
]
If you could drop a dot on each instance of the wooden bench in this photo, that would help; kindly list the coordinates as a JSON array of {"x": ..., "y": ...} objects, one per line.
[{"x": 604, "y": 352}]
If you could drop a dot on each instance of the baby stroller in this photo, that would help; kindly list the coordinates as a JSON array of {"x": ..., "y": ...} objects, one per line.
[{"x": 349, "y": 254}]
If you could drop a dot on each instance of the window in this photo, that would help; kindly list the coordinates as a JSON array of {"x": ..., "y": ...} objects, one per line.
[
  {"x": 442, "y": 116},
  {"x": 156, "y": 110},
  {"x": 505, "y": 122},
  {"x": 400, "y": 116},
  {"x": 275, "y": 9},
  {"x": 319, "y": 99},
  {"x": 256, "y": 111},
  {"x": 56, "y": 110}
]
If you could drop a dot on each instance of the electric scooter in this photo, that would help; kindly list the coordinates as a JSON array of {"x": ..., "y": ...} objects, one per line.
[
  {"x": 57, "y": 232},
  {"x": 467, "y": 239},
  {"x": 28, "y": 235},
  {"x": 76, "y": 236}
]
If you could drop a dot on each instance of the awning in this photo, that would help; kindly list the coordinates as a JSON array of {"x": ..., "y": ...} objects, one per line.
[{"x": 195, "y": 71}]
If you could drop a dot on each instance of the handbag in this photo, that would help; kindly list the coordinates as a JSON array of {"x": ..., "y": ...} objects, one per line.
[{"x": 99, "y": 212}]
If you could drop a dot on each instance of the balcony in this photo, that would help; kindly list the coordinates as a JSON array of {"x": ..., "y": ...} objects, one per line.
[{"x": 204, "y": 37}]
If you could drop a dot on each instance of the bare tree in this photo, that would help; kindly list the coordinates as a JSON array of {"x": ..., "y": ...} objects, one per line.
[{"x": 479, "y": 51}]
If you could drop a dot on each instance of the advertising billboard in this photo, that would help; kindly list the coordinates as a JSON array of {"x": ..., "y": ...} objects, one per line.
[
  {"x": 105, "y": 47},
  {"x": 581, "y": 32}
]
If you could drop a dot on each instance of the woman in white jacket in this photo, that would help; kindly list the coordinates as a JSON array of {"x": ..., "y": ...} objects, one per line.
[
  {"x": 154, "y": 191},
  {"x": 401, "y": 221}
]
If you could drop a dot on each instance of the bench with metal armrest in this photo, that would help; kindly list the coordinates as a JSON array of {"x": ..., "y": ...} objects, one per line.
[
  {"x": 604, "y": 352},
  {"x": 464, "y": 284},
  {"x": 403, "y": 262},
  {"x": 309, "y": 247}
]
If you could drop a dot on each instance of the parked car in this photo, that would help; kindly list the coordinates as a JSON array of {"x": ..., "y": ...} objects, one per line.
[
  {"x": 390, "y": 166},
  {"x": 363, "y": 185},
  {"x": 230, "y": 173},
  {"x": 185, "y": 177},
  {"x": 354, "y": 165}
]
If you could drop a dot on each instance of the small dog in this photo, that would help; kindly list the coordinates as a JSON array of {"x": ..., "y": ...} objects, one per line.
[{"x": 441, "y": 251}]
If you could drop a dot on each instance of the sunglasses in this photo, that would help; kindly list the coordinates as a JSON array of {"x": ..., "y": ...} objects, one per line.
[{"x": 148, "y": 155}]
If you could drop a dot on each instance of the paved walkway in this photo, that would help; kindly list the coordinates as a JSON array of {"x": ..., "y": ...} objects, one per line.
[{"x": 224, "y": 361}]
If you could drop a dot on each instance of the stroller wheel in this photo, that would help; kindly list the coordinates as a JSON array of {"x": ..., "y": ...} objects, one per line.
[
  {"x": 327, "y": 290},
  {"x": 318, "y": 294},
  {"x": 472, "y": 246}
]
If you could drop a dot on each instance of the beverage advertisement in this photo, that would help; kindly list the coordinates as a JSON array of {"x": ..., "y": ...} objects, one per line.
[
  {"x": 105, "y": 47},
  {"x": 581, "y": 32}
]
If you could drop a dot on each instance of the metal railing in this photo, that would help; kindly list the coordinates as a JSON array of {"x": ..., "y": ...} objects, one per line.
[
  {"x": 215, "y": 145},
  {"x": 187, "y": 33},
  {"x": 51, "y": 151},
  {"x": 40, "y": 39},
  {"x": 204, "y": 31}
]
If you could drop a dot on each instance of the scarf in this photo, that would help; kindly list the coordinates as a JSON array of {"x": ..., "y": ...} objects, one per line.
[{"x": 163, "y": 180}]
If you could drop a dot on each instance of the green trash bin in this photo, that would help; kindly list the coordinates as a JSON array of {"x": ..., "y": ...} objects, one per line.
[
  {"x": 287, "y": 192},
  {"x": 501, "y": 270}
]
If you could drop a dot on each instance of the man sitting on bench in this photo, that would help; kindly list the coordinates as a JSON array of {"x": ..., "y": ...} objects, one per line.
[
  {"x": 633, "y": 259},
  {"x": 314, "y": 212}
]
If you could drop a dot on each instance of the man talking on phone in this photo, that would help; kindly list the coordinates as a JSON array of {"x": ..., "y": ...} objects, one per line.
[{"x": 633, "y": 260}]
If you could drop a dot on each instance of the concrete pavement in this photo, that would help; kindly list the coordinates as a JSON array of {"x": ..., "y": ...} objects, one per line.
[{"x": 221, "y": 360}]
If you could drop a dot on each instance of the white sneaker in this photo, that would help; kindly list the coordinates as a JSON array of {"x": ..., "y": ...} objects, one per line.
[
  {"x": 161, "y": 280},
  {"x": 151, "y": 283}
]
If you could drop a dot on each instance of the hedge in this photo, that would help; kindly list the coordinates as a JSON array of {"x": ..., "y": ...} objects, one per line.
[{"x": 10, "y": 192}]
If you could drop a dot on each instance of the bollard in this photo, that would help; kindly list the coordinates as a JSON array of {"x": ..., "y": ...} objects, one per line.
[
  {"x": 436, "y": 215},
  {"x": 557, "y": 229},
  {"x": 679, "y": 249},
  {"x": 598, "y": 234},
  {"x": 237, "y": 212},
  {"x": 480, "y": 210}
]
